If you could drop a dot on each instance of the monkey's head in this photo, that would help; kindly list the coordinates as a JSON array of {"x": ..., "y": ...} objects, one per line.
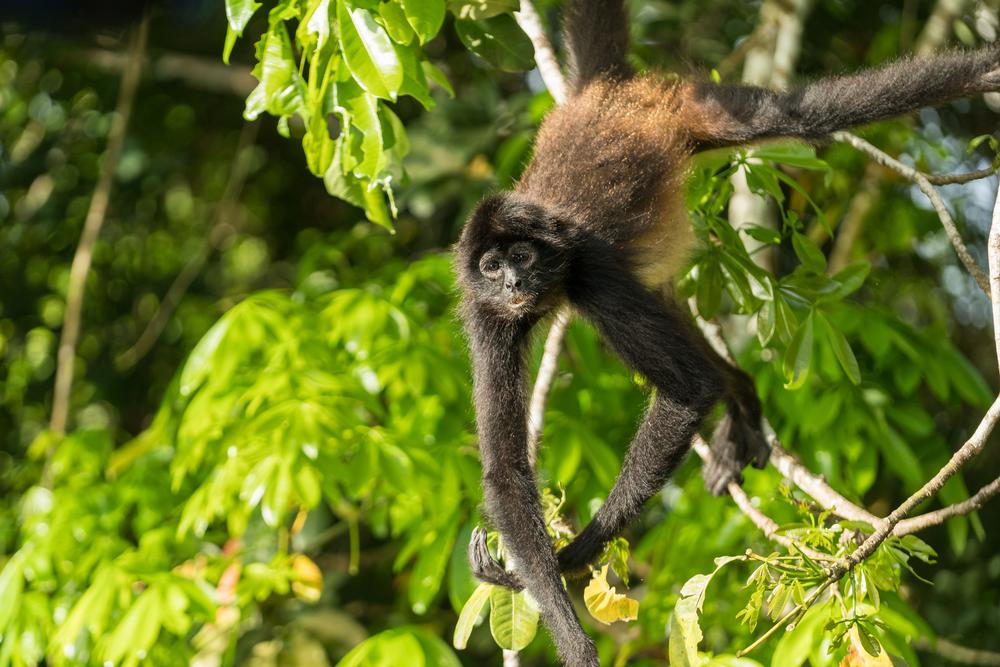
[{"x": 512, "y": 257}]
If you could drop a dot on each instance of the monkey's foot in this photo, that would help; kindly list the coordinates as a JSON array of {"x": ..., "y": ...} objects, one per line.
[
  {"x": 735, "y": 444},
  {"x": 485, "y": 567}
]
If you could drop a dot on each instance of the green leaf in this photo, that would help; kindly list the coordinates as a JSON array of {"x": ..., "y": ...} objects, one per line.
[
  {"x": 708, "y": 293},
  {"x": 395, "y": 22},
  {"x": 239, "y": 12},
  {"x": 319, "y": 23},
  {"x": 808, "y": 252},
  {"x": 407, "y": 645},
  {"x": 499, "y": 41},
  {"x": 685, "y": 632},
  {"x": 513, "y": 619},
  {"x": 851, "y": 278},
  {"x": 470, "y": 615},
  {"x": 368, "y": 52},
  {"x": 841, "y": 349},
  {"x": 437, "y": 76},
  {"x": 425, "y": 17},
  {"x": 793, "y": 647},
  {"x": 425, "y": 580},
  {"x": 475, "y": 10},
  {"x": 137, "y": 630},
  {"x": 799, "y": 355},
  {"x": 281, "y": 85},
  {"x": 763, "y": 234},
  {"x": 11, "y": 587}
]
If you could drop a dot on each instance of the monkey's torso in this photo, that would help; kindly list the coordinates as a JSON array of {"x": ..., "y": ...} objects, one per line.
[{"x": 613, "y": 161}]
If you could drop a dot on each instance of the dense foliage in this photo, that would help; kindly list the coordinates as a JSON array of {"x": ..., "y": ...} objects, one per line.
[{"x": 290, "y": 475}]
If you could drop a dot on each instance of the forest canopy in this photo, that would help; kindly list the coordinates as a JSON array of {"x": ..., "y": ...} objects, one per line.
[{"x": 236, "y": 420}]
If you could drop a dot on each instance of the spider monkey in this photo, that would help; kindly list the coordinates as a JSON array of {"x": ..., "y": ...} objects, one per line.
[{"x": 596, "y": 220}]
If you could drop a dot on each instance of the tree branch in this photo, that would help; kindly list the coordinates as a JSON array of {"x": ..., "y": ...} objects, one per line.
[
  {"x": 221, "y": 230},
  {"x": 548, "y": 65},
  {"x": 932, "y": 194},
  {"x": 96, "y": 215},
  {"x": 957, "y": 653}
]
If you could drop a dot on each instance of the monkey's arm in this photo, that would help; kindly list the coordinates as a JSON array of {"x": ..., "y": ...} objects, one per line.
[
  {"x": 512, "y": 501},
  {"x": 728, "y": 115}
]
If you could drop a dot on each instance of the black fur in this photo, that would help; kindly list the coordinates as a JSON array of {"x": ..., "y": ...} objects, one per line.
[{"x": 596, "y": 221}]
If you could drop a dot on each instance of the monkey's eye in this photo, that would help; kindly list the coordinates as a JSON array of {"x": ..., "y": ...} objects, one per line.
[
  {"x": 490, "y": 266},
  {"x": 518, "y": 258}
]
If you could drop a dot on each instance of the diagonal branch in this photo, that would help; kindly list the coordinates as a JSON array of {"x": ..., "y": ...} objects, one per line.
[
  {"x": 96, "y": 215},
  {"x": 221, "y": 230},
  {"x": 932, "y": 194}
]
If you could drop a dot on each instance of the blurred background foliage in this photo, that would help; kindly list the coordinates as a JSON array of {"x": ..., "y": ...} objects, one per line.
[{"x": 290, "y": 467}]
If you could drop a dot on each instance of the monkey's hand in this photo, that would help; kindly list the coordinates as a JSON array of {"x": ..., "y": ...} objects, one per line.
[
  {"x": 735, "y": 444},
  {"x": 485, "y": 567}
]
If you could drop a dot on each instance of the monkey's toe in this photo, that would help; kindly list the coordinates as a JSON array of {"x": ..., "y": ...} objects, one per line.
[
  {"x": 718, "y": 473},
  {"x": 485, "y": 567}
]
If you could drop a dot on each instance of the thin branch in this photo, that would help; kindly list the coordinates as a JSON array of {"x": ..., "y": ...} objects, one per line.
[
  {"x": 221, "y": 230},
  {"x": 195, "y": 71},
  {"x": 972, "y": 446},
  {"x": 785, "y": 463},
  {"x": 993, "y": 259},
  {"x": 767, "y": 525},
  {"x": 548, "y": 65},
  {"x": 968, "y": 177},
  {"x": 96, "y": 215},
  {"x": 543, "y": 381},
  {"x": 957, "y": 653},
  {"x": 932, "y": 194},
  {"x": 923, "y": 521}
]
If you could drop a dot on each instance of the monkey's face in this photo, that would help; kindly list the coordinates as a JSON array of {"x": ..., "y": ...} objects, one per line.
[{"x": 516, "y": 276}]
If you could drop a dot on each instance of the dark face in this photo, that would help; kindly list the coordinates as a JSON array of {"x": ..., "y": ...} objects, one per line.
[{"x": 516, "y": 278}]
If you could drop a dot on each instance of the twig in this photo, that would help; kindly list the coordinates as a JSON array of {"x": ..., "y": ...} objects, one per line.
[
  {"x": 957, "y": 653},
  {"x": 766, "y": 524},
  {"x": 971, "y": 447},
  {"x": 543, "y": 381},
  {"x": 195, "y": 71},
  {"x": 548, "y": 65},
  {"x": 786, "y": 619},
  {"x": 221, "y": 230},
  {"x": 932, "y": 194},
  {"x": 993, "y": 260},
  {"x": 91, "y": 229},
  {"x": 785, "y": 463},
  {"x": 923, "y": 521},
  {"x": 968, "y": 177}
]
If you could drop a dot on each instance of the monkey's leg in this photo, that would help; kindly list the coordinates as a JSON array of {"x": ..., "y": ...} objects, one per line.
[{"x": 659, "y": 343}]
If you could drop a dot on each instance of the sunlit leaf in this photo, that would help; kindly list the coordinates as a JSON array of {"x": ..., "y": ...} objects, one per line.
[
  {"x": 470, "y": 615},
  {"x": 605, "y": 604},
  {"x": 513, "y": 618}
]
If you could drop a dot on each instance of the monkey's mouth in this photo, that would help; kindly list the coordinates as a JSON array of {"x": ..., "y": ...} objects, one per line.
[{"x": 519, "y": 301}]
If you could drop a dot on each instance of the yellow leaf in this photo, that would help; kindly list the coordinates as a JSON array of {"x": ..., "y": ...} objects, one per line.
[
  {"x": 857, "y": 656},
  {"x": 307, "y": 580},
  {"x": 605, "y": 604}
]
